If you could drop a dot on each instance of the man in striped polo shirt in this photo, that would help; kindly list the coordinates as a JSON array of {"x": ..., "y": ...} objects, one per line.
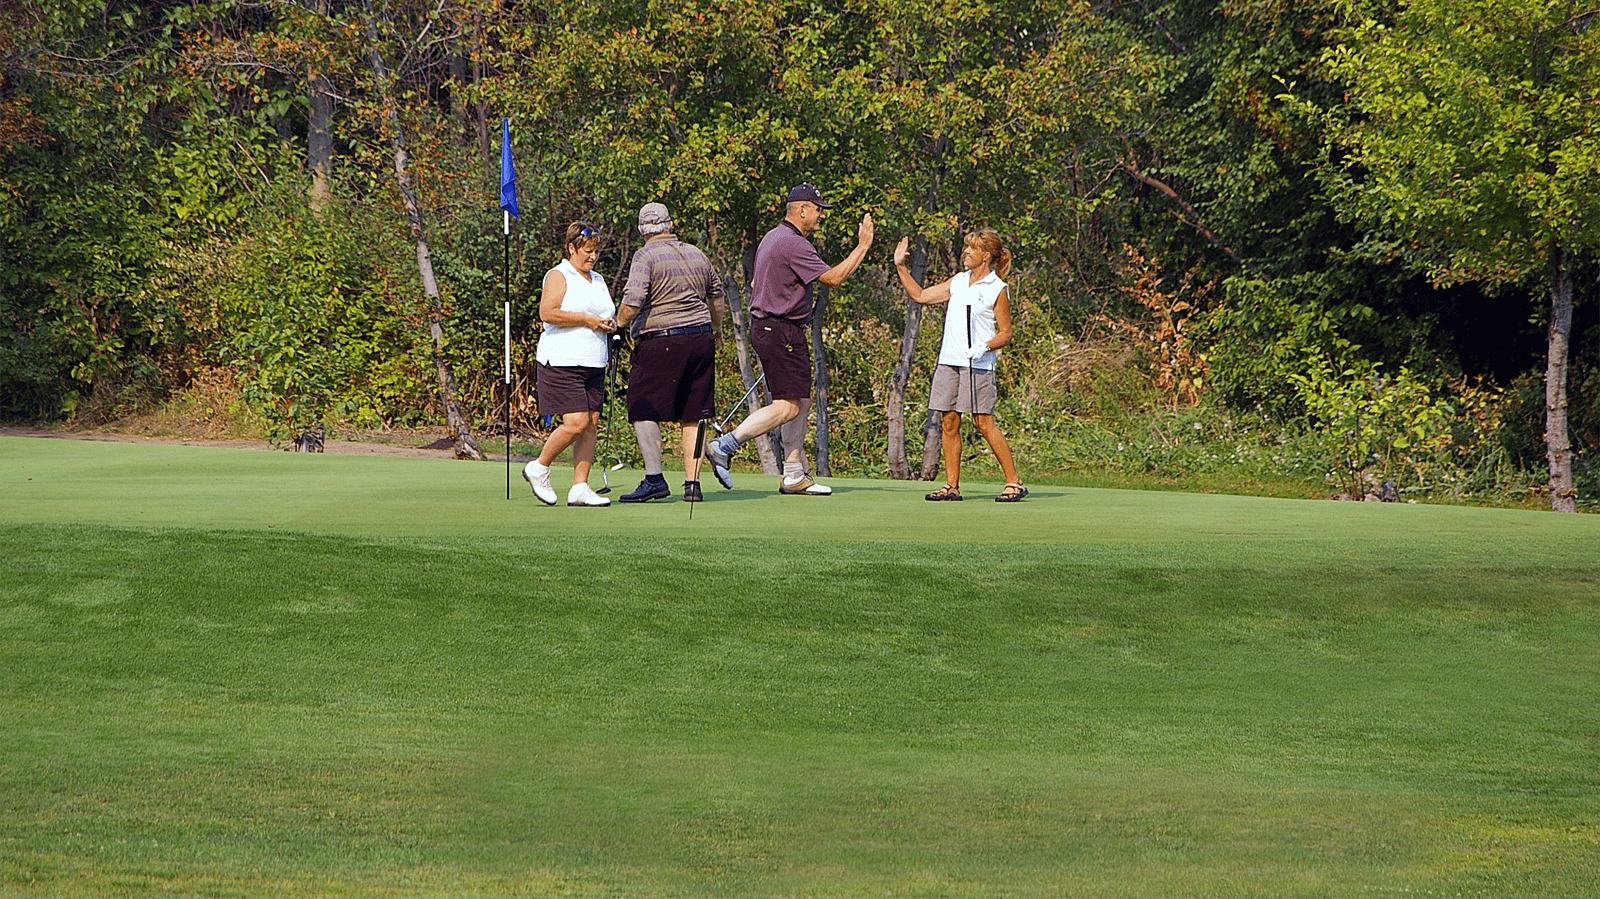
[{"x": 673, "y": 304}]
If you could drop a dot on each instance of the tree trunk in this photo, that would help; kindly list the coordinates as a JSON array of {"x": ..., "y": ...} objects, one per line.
[
  {"x": 1558, "y": 447},
  {"x": 319, "y": 140},
  {"x": 319, "y": 127},
  {"x": 932, "y": 445},
  {"x": 466, "y": 447},
  {"x": 899, "y": 464},
  {"x": 819, "y": 390},
  {"x": 932, "y": 427},
  {"x": 747, "y": 372},
  {"x": 1193, "y": 221}
]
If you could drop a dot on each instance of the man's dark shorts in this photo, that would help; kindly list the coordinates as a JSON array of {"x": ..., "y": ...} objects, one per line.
[
  {"x": 571, "y": 388},
  {"x": 672, "y": 378},
  {"x": 784, "y": 349}
]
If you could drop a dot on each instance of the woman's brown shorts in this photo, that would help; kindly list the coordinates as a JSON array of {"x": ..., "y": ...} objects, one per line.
[{"x": 571, "y": 388}]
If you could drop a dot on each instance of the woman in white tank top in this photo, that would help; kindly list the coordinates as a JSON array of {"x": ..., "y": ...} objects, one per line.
[
  {"x": 977, "y": 321},
  {"x": 578, "y": 314}
]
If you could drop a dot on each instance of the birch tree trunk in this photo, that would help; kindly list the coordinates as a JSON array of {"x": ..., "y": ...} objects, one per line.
[
  {"x": 819, "y": 388},
  {"x": 747, "y": 372},
  {"x": 319, "y": 126},
  {"x": 931, "y": 446},
  {"x": 899, "y": 464},
  {"x": 466, "y": 447},
  {"x": 1558, "y": 446},
  {"x": 932, "y": 428}
]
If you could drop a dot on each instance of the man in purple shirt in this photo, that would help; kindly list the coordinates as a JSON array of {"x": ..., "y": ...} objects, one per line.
[{"x": 787, "y": 267}]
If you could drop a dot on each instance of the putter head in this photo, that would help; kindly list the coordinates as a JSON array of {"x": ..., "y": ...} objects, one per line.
[{"x": 619, "y": 466}]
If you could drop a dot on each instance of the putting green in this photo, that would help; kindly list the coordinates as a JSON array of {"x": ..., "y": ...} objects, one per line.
[
  {"x": 149, "y": 485},
  {"x": 247, "y": 673}
]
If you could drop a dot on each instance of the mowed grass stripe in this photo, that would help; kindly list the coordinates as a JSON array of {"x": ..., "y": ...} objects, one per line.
[
  {"x": 1379, "y": 708},
  {"x": 67, "y": 481}
]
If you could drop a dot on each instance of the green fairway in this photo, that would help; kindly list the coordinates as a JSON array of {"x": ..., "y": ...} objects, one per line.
[{"x": 236, "y": 673}]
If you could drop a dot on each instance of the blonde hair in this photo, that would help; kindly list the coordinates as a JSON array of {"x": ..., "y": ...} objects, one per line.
[{"x": 988, "y": 241}]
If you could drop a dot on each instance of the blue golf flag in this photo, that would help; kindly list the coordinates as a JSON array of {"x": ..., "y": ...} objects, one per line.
[{"x": 508, "y": 172}]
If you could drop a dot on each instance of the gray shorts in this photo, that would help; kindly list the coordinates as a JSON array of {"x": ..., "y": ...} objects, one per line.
[{"x": 952, "y": 390}]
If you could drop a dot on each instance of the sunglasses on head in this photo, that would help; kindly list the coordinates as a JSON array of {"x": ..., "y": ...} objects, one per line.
[{"x": 589, "y": 232}]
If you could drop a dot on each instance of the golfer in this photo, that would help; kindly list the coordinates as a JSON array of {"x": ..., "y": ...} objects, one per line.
[
  {"x": 787, "y": 267},
  {"x": 977, "y": 322},
  {"x": 674, "y": 303},
  {"x": 577, "y": 312}
]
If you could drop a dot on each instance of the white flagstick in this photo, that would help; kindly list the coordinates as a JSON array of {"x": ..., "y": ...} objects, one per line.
[
  {"x": 508, "y": 399},
  {"x": 508, "y": 202}
]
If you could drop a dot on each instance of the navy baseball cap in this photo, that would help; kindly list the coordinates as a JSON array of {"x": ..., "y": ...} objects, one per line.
[{"x": 807, "y": 192}]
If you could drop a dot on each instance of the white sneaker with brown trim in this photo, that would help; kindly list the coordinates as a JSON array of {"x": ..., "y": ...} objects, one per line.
[
  {"x": 538, "y": 477},
  {"x": 583, "y": 495},
  {"x": 804, "y": 486}
]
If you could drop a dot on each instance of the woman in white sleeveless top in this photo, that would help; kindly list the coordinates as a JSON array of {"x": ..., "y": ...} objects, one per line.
[
  {"x": 977, "y": 321},
  {"x": 578, "y": 314}
]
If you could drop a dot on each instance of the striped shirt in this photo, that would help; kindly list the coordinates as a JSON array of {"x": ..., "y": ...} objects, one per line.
[{"x": 673, "y": 285}]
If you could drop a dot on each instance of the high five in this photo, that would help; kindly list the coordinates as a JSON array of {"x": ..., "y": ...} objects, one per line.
[{"x": 977, "y": 322}]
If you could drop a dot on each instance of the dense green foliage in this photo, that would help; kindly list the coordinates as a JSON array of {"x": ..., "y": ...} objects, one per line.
[{"x": 1241, "y": 203}]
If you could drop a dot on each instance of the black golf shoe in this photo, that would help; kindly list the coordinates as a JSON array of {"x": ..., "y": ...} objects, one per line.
[
  {"x": 648, "y": 490},
  {"x": 691, "y": 492}
]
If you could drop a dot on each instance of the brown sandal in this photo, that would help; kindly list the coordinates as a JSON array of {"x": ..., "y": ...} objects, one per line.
[
  {"x": 1011, "y": 494},
  {"x": 947, "y": 492}
]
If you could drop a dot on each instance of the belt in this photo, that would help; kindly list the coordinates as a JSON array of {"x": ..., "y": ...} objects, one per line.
[
  {"x": 797, "y": 322},
  {"x": 674, "y": 332}
]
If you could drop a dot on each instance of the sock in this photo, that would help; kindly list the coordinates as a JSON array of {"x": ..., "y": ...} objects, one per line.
[
  {"x": 793, "y": 470},
  {"x": 730, "y": 442},
  {"x": 655, "y": 477}
]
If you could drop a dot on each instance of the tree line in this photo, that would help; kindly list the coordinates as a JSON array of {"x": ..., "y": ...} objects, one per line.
[{"x": 1352, "y": 214}]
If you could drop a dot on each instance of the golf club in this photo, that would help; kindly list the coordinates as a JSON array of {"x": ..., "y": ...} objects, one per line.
[
  {"x": 735, "y": 407},
  {"x": 616, "y": 456},
  {"x": 972, "y": 384},
  {"x": 611, "y": 413},
  {"x": 700, "y": 457}
]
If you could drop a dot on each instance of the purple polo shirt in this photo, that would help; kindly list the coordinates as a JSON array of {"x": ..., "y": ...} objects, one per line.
[{"x": 786, "y": 264}]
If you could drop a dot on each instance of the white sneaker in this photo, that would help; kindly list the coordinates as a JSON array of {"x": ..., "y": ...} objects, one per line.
[
  {"x": 804, "y": 486},
  {"x": 538, "y": 477},
  {"x": 720, "y": 460},
  {"x": 583, "y": 495}
]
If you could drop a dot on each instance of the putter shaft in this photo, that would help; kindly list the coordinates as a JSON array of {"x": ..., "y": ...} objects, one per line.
[{"x": 723, "y": 424}]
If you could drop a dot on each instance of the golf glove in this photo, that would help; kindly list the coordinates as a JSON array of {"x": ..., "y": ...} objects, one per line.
[{"x": 977, "y": 352}]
